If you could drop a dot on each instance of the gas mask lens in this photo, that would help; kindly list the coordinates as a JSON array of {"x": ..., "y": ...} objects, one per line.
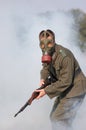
[
  {"x": 50, "y": 44},
  {"x": 44, "y": 45}
]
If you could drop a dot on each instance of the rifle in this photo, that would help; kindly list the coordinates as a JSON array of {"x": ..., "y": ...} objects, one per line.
[{"x": 50, "y": 79}]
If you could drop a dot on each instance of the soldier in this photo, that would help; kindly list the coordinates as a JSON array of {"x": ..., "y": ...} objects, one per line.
[{"x": 70, "y": 87}]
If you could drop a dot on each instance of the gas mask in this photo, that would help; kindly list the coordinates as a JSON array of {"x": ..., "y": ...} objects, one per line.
[{"x": 47, "y": 45}]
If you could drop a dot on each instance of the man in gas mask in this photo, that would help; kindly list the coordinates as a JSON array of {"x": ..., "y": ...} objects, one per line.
[{"x": 70, "y": 87}]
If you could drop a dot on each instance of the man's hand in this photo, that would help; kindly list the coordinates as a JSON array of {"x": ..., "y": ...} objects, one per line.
[
  {"x": 41, "y": 82},
  {"x": 41, "y": 93}
]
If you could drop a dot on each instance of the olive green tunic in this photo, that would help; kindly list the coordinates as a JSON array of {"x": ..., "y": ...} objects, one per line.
[{"x": 71, "y": 80}]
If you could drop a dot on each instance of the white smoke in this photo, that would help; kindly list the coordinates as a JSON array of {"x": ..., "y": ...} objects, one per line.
[{"x": 20, "y": 66}]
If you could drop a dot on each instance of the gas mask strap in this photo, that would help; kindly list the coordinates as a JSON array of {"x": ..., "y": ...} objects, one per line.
[{"x": 44, "y": 34}]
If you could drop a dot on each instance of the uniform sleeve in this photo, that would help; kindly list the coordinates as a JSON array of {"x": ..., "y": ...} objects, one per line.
[
  {"x": 65, "y": 79},
  {"x": 44, "y": 72}
]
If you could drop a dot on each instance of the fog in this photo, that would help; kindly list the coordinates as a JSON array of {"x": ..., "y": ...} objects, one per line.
[{"x": 20, "y": 64}]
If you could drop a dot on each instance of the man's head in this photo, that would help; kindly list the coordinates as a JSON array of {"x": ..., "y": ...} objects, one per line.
[{"x": 47, "y": 43}]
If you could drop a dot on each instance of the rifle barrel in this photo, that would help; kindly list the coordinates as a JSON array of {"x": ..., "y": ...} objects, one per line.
[{"x": 22, "y": 108}]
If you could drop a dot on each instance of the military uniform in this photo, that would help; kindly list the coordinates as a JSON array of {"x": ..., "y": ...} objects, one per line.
[{"x": 70, "y": 86}]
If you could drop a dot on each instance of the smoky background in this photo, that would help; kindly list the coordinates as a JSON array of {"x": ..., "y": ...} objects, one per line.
[{"x": 20, "y": 62}]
